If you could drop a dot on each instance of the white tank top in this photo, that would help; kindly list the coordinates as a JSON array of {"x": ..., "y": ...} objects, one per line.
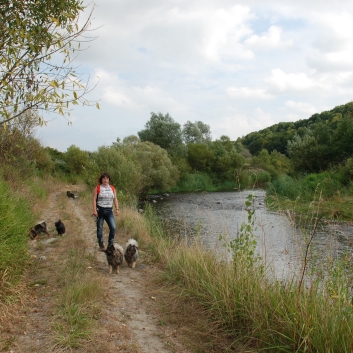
[{"x": 105, "y": 196}]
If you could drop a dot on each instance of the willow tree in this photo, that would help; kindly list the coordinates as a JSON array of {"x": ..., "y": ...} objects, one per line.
[{"x": 38, "y": 40}]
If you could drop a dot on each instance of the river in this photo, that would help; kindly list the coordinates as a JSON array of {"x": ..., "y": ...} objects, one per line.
[{"x": 281, "y": 242}]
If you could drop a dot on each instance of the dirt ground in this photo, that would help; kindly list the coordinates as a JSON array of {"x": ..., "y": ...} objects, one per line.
[{"x": 130, "y": 320}]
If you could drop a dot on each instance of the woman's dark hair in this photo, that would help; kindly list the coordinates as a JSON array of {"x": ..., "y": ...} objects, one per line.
[{"x": 103, "y": 176}]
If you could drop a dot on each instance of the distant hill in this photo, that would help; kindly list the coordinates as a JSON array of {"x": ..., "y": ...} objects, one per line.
[{"x": 277, "y": 136}]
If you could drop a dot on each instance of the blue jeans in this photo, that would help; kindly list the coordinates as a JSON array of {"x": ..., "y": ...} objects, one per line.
[{"x": 106, "y": 214}]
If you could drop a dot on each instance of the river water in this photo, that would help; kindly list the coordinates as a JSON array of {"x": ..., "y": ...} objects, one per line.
[{"x": 281, "y": 242}]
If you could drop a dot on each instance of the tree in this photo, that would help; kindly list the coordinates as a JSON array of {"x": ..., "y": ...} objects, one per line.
[
  {"x": 157, "y": 169},
  {"x": 34, "y": 35},
  {"x": 163, "y": 131},
  {"x": 131, "y": 140},
  {"x": 313, "y": 152},
  {"x": 76, "y": 160},
  {"x": 126, "y": 173},
  {"x": 196, "y": 132},
  {"x": 19, "y": 150},
  {"x": 200, "y": 157}
]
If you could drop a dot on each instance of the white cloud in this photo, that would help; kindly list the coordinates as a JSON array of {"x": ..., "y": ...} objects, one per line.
[
  {"x": 260, "y": 119},
  {"x": 222, "y": 33},
  {"x": 272, "y": 39},
  {"x": 302, "y": 107},
  {"x": 291, "y": 82},
  {"x": 248, "y": 93},
  {"x": 237, "y": 124}
]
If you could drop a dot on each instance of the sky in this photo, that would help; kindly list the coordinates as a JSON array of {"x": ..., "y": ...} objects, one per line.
[{"x": 238, "y": 66}]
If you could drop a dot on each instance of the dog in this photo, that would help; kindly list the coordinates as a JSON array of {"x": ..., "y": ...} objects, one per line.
[
  {"x": 71, "y": 195},
  {"x": 131, "y": 252},
  {"x": 60, "y": 227},
  {"x": 40, "y": 227},
  {"x": 115, "y": 257}
]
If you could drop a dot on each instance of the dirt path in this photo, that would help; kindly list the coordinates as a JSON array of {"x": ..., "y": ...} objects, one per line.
[{"x": 130, "y": 317}]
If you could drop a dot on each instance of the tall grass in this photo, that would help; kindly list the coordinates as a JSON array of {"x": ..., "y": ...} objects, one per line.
[
  {"x": 305, "y": 187},
  {"x": 256, "y": 309},
  {"x": 16, "y": 218}
]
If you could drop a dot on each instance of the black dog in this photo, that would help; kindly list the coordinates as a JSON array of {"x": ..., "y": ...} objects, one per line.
[
  {"x": 115, "y": 257},
  {"x": 60, "y": 227},
  {"x": 71, "y": 195},
  {"x": 40, "y": 227}
]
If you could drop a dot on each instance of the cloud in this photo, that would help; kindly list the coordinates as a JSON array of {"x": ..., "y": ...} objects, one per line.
[
  {"x": 260, "y": 119},
  {"x": 272, "y": 39},
  {"x": 291, "y": 82},
  {"x": 248, "y": 93},
  {"x": 302, "y": 107},
  {"x": 238, "y": 124},
  {"x": 223, "y": 32}
]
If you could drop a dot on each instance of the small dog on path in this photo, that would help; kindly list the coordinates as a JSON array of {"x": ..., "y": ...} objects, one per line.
[
  {"x": 131, "y": 253},
  {"x": 40, "y": 227},
  {"x": 71, "y": 195},
  {"x": 115, "y": 257},
  {"x": 60, "y": 227}
]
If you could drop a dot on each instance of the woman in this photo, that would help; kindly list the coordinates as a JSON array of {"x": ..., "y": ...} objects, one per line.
[{"x": 104, "y": 196}]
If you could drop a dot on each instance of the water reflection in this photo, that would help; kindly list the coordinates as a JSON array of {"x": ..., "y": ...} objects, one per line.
[{"x": 280, "y": 242}]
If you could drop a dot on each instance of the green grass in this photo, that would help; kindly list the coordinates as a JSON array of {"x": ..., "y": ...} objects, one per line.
[
  {"x": 16, "y": 218},
  {"x": 322, "y": 192}
]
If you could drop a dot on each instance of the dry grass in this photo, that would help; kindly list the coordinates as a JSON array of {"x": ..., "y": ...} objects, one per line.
[
  {"x": 134, "y": 225},
  {"x": 185, "y": 320}
]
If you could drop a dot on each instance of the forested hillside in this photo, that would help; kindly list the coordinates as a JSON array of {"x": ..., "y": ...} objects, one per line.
[{"x": 328, "y": 127}]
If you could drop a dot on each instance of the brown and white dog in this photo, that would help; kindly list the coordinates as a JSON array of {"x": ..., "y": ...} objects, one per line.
[
  {"x": 40, "y": 227},
  {"x": 115, "y": 256},
  {"x": 131, "y": 252}
]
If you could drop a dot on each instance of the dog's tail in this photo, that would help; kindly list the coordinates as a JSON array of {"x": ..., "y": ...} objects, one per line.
[{"x": 118, "y": 247}]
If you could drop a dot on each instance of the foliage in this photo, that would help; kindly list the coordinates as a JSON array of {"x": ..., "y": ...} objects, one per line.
[
  {"x": 243, "y": 246},
  {"x": 196, "y": 181},
  {"x": 20, "y": 152},
  {"x": 200, "y": 157},
  {"x": 226, "y": 159},
  {"x": 276, "y": 137},
  {"x": 157, "y": 170},
  {"x": 197, "y": 132},
  {"x": 126, "y": 174},
  {"x": 275, "y": 163},
  {"x": 33, "y": 36},
  {"x": 182, "y": 164},
  {"x": 163, "y": 131},
  {"x": 313, "y": 152},
  {"x": 76, "y": 160}
]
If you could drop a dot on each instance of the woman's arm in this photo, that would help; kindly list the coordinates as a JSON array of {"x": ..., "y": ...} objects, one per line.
[
  {"x": 116, "y": 203},
  {"x": 94, "y": 202}
]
